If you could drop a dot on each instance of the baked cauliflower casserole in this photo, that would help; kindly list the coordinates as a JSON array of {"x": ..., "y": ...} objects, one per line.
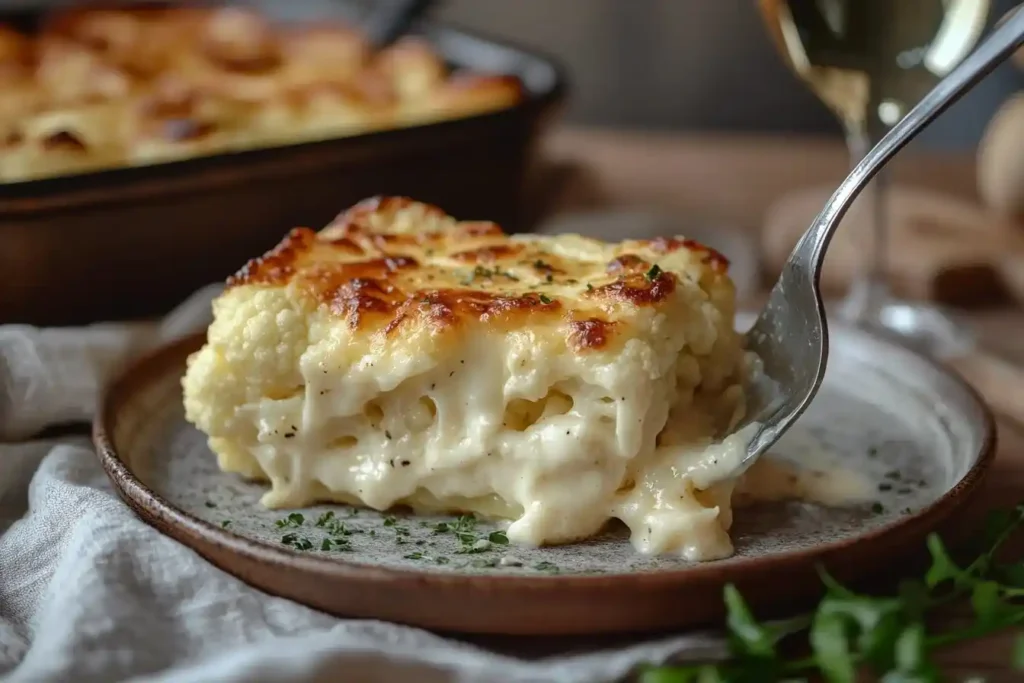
[
  {"x": 98, "y": 88},
  {"x": 400, "y": 357}
]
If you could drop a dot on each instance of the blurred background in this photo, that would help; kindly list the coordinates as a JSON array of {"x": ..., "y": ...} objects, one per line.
[
  {"x": 682, "y": 112},
  {"x": 679, "y": 64}
]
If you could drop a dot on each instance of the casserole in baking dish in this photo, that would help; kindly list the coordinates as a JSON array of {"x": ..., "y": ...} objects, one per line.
[
  {"x": 87, "y": 89},
  {"x": 132, "y": 241}
]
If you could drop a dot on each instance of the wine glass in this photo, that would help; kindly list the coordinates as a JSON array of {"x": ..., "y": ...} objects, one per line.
[{"x": 870, "y": 61}]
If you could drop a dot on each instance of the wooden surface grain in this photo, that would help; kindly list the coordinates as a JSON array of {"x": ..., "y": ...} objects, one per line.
[{"x": 735, "y": 179}]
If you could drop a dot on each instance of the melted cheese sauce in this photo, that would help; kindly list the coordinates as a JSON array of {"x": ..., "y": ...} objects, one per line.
[
  {"x": 560, "y": 450},
  {"x": 802, "y": 468}
]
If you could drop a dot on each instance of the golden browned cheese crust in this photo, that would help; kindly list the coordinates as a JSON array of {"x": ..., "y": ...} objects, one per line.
[
  {"x": 96, "y": 88},
  {"x": 392, "y": 262},
  {"x": 556, "y": 381}
]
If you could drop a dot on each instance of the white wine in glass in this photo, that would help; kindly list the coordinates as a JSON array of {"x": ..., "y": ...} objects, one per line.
[{"x": 870, "y": 61}]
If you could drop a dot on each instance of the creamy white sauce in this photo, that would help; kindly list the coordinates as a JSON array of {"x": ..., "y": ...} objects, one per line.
[{"x": 801, "y": 467}]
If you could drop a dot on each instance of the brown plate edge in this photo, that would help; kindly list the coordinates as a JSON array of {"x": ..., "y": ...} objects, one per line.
[{"x": 519, "y": 605}]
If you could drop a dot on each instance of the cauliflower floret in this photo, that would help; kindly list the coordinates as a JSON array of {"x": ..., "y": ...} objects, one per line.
[{"x": 252, "y": 353}]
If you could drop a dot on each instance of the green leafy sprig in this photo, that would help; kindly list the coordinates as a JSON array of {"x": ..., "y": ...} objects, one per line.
[{"x": 888, "y": 637}]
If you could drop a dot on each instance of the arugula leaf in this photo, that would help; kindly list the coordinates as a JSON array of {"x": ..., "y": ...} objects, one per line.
[
  {"x": 849, "y": 632},
  {"x": 910, "y": 649},
  {"x": 828, "y": 638},
  {"x": 747, "y": 637},
  {"x": 943, "y": 567},
  {"x": 987, "y": 602}
]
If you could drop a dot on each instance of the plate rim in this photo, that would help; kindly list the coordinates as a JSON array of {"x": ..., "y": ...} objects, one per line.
[{"x": 192, "y": 531}]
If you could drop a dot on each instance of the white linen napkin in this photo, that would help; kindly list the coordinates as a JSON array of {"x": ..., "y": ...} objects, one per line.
[{"x": 88, "y": 592}]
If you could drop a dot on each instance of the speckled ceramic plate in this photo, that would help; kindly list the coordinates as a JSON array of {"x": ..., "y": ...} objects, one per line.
[{"x": 921, "y": 433}]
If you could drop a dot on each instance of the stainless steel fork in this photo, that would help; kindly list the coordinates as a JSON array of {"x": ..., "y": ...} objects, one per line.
[{"x": 791, "y": 333}]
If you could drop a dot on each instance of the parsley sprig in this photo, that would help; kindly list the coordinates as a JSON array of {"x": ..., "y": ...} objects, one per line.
[
  {"x": 887, "y": 636},
  {"x": 483, "y": 273}
]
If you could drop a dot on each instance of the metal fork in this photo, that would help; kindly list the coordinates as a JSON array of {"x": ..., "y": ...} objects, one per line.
[{"x": 790, "y": 335}]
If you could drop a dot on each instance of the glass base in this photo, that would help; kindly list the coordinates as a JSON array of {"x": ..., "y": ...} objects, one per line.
[{"x": 923, "y": 327}]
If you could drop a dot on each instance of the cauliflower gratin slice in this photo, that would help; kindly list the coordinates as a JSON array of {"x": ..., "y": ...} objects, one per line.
[{"x": 401, "y": 357}]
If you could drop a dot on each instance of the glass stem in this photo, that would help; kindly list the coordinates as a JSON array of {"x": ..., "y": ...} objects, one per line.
[{"x": 871, "y": 288}]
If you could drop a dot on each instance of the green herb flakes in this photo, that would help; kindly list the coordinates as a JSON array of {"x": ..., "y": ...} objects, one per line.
[
  {"x": 297, "y": 542},
  {"x": 292, "y": 521},
  {"x": 654, "y": 272}
]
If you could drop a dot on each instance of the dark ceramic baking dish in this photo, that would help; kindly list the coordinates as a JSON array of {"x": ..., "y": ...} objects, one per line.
[{"x": 132, "y": 242}]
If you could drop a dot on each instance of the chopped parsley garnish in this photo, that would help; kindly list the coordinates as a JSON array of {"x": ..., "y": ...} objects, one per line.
[
  {"x": 297, "y": 542},
  {"x": 226, "y": 523},
  {"x": 336, "y": 544},
  {"x": 465, "y": 522},
  {"x": 472, "y": 546},
  {"x": 498, "y": 538},
  {"x": 487, "y": 274},
  {"x": 654, "y": 272},
  {"x": 294, "y": 520},
  {"x": 210, "y": 504},
  {"x": 590, "y": 287},
  {"x": 337, "y": 527},
  {"x": 413, "y": 556},
  {"x": 389, "y": 520},
  {"x": 545, "y": 299},
  {"x": 545, "y": 566}
]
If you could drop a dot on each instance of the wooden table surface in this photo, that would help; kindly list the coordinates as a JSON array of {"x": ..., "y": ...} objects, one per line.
[{"x": 735, "y": 179}]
